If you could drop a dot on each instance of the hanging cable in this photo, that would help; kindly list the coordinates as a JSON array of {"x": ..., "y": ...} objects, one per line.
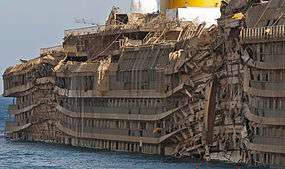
[
  {"x": 263, "y": 13},
  {"x": 94, "y": 57}
]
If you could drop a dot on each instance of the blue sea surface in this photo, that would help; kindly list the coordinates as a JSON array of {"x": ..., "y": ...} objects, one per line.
[{"x": 22, "y": 155}]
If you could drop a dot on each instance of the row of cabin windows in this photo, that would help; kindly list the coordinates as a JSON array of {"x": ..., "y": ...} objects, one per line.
[
  {"x": 272, "y": 58},
  {"x": 269, "y": 158},
  {"x": 274, "y": 132},
  {"x": 136, "y": 86},
  {"x": 263, "y": 52},
  {"x": 27, "y": 100},
  {"x": 139, "y": 79},
  {"x": 138, "y": 75},
  {"x": 23, "y": 118},
  {"x": 271, "y": 48},
  {"x": 76, "y": 83},
  {"x": 274, "y": 103},
  {"x": 17, "y": 80},
  {"x": 24, "y": 101},
  {"x": 110, "y": 124},
  {"x": 111, "y": 102},
  {"x": 268, "y": 75},
  {"x": 144, "y": 60},
  {"x": 117, "y": 145}
]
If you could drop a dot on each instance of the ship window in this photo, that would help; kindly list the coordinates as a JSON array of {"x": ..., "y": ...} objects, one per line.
[
  {"x": 268, "y": 23},
  {"x": 122, "y": 19},
  {"x": 265, "y": 76},
  {"x": 263, "y": 131},
  {"x": 261, "y": 58},
  {"x": 143, "y": 126},
  {"x": 270, "y": 106},
  {"x": 258, "y": 77},
  {"x": 276, "y": 103},
  {"x": 76, "y": 58},
  {"x": 256, "y": 111},
  {"x": 115, "y": 58},
  {"x": 264, "y": 158},
  {"x": 282, "y": 76},
  {"x": 270, "y": 132}
]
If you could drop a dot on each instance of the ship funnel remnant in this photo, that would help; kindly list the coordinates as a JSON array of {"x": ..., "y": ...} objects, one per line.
[
  {"x": 199, "y": 11},
  {"x": 152, "y": 84},
  {"x": 144, "y": 6}
]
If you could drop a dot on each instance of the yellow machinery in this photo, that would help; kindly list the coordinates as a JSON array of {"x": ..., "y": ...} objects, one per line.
[
  {"x": 172, "y": 4},
  {"x": 199, "y": 11}
]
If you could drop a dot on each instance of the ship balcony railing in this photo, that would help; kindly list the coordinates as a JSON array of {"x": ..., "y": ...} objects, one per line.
[
  {"x": 263, "y": 33},
  {"x": 84, "y": 31},
  {"x": 125, "y": 138},
  {"x": 16, "y": 109},
  {"x": 278, "y": 149},
  {"x": 269, "y": 140},
  {"x": 18, "y": 89},
  {"x": 273, "y": 121},
  {"x": 267, "y": 85},
  {"x": 115, "y": 130}
]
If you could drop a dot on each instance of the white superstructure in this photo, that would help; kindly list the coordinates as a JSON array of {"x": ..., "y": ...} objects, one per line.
[
  {"x": 144, "y": 6},
  {"x": 195, "y": 14}
]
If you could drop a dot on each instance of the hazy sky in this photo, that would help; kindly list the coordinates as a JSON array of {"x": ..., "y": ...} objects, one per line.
[{"x": 28, "y": 25}]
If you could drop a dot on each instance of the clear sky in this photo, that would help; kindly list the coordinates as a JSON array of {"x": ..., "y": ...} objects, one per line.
[{"x": 28, "y": 25}]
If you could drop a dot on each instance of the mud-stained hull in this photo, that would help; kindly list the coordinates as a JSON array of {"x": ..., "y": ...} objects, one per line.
[{"x": 155, "y": 85}]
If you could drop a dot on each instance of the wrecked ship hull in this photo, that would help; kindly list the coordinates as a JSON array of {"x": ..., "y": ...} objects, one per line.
[{"x": 150, "y": 85}]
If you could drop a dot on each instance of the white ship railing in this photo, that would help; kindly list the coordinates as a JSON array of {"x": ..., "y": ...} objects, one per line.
[{"x": 263, "y": 32}]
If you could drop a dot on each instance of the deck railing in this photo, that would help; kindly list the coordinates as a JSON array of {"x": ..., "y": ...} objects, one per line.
[
  {"x": 84, "y": 31},
  {"x": 51, "y": 49},
  {"x": 263, "y": 32}
]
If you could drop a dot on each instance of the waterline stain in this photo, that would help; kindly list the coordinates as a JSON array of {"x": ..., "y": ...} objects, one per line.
[{"x": 22, "y": 155}]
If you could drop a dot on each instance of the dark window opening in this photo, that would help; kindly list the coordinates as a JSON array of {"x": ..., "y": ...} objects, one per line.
[
  {"x": 121, "y": 19},
  {"x": 76, "y": 58},
  {"x": 115, "y": 58}
]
